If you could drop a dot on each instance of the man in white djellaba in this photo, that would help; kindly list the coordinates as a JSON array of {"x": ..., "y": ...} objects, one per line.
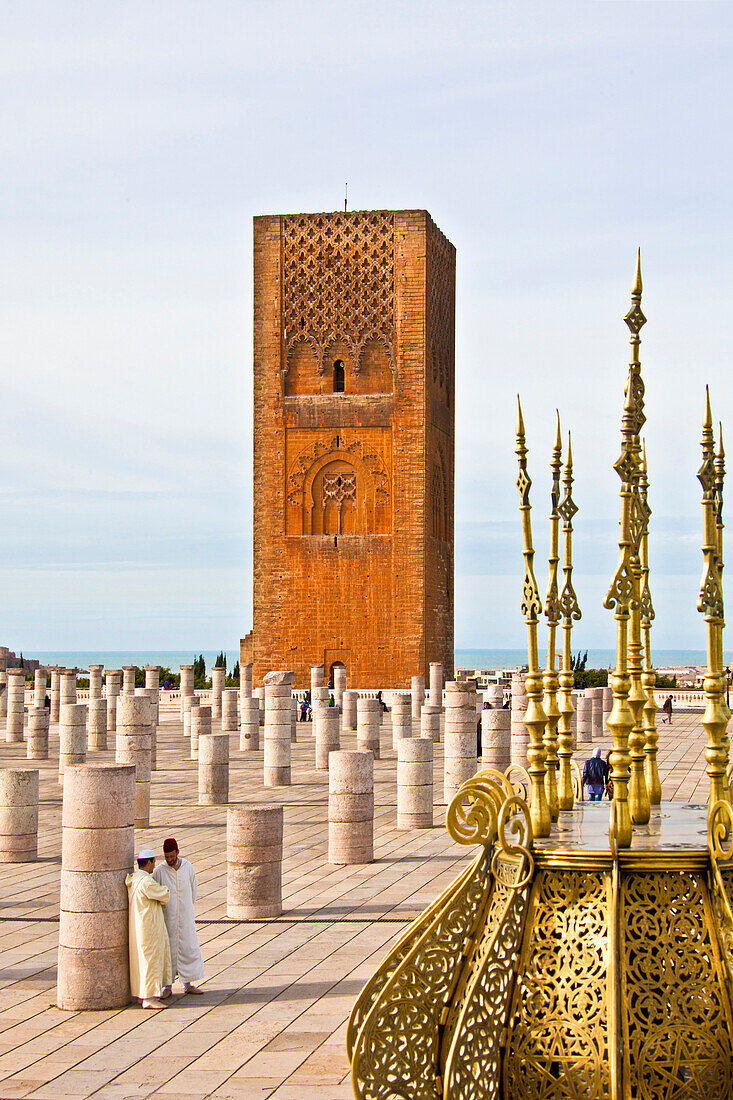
[{"x": 180, "y": 920}]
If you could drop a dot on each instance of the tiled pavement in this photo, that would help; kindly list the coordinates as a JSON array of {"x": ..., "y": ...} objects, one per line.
[{"x": 278, "y": 993}]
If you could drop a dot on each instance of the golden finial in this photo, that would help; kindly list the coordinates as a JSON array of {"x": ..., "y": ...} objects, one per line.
[
  {"x": 570, "y": 613},
  {"x": 710, "y": 604},
  {"x": 552, "y": 612},
  {"x": 534, "y": 718}
]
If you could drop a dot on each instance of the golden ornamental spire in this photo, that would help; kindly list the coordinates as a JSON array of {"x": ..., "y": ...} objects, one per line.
[
  {"x": 623, "y": 594},
  {"x": 710, "y": 604},
  {"x": 552, "y": 612},
  {"x": 648, "y": 677},
  {"x": 570, "y": 612},
  {"x": 535, "y": 718}
]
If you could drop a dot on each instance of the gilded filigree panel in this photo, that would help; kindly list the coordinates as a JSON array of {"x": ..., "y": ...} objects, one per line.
[
  {"x": 557, "y": 1033},
  {"x": 676, "y": 1032}
]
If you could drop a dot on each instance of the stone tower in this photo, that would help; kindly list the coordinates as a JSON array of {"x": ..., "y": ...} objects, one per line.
[{"x": 354, "y": 323}]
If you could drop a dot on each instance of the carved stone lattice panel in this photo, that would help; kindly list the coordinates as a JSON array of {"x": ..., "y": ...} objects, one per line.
[
  {"x": 396, "y": 1050},
  {"x": 556, "y": 1045},
  {"x": 441, "y": 267},
  {"x": 676, "y": 1028},
  {"x": 473, "y": 1036},
  {"x": 338, "y": 281}
]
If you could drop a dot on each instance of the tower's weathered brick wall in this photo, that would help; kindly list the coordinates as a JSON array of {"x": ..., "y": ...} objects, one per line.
[{"x": 353, "y": 490}]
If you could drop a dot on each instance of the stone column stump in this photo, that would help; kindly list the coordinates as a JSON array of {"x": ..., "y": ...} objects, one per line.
[
  {"x": 459, "y": 762},
  {"x": 229, "y": 722},
  {"x": 39, "y": 719},
  {"x": 150, "y": 695},
  {"x": 496, "y": 739},
  {"x": 339, "y": 686},
  {"x": 95, "y": 681},
  {"x": 97, "y": 852},
  {"x": 186, "y": 683},
  {"x": 254, "y": 861},
  {"x": 350, "y": 807},
  {"x": 16, "y": 706},
  {"x": 326, "y": 723},
  {"x": 348, "y": 716},
  {"x": 584, "y": 714},
  {"x": 97, "y": 723},
  {"x": 278, "y": 723},
  {"x": 249, "y": 731},
  {"x": 72, "y": 736},
  {"x": 218, "y": 679},
  {"x": 401, "y": 711},
  {"x": 368, "y": 725},
  {"x": 39, "y": 687},
  {"x": 3, "y": 694},
  {"x": 55, "y": 693},
  {"x": 417, "y": 694},
  {"x": 112, "y": 678},
  {"x": 519, "y": 735},
  {"x": 415, "y": 783},
  {"x": 133, "y": 747},
  {"x": 430, "y": 721},
  {"x": 200, "y": 727},
  {"x": 317, "y": 674},
  {"x": 435, "y": 690},
  {"x": 188, "y": 702},
  {"x": 18, "y": 815},
  {"x": 128, "y": 679},
  {"x": 68, "y": 685},
  {"x": 214, "y": 769}
]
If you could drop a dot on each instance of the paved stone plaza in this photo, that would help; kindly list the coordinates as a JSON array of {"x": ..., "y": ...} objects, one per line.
[{"x": 277, "y": 993}]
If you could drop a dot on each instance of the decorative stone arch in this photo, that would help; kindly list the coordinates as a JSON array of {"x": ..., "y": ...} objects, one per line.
[
  {"x": 338, "y": 496},
  {"x": 299, "y": 343}
]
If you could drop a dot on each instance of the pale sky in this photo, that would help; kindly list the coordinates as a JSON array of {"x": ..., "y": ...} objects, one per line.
[{"x": 546, "y": 140}]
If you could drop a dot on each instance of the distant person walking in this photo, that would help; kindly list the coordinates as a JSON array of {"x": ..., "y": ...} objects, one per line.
[
  {"x": 667, "y": 709},
  {"x": 595, "y": 774}
]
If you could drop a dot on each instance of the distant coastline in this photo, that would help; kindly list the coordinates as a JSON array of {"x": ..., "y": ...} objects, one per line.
[{"x": 463, "y": 658}]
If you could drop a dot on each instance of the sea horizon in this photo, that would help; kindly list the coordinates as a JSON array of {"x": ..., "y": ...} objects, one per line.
[{"x": 463, "y": 658}]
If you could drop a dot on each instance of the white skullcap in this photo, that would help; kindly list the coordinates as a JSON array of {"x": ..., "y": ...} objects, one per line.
[{"x": 147, "y": 853}]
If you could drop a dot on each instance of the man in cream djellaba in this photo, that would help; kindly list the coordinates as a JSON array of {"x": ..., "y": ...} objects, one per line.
[{"x": 179, "y": 877}]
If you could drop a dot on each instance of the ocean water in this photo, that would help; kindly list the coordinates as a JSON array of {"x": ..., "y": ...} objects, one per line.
[{"x": 464, "y": 658}]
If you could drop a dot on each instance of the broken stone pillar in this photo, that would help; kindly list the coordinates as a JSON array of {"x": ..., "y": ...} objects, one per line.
[
  {"x": 218, "y": 679},
  {"x": 496, "y": 739},
  {"x": 595, "y": 694},
  {"x": 348, "y": 716},
  {"x": 417, "y": 694},
  {"x": 320, "y": 697},
  {"x": 339, "y": 685},
  {"x": 519, "y": 735},
  {"x": 229, "y": 722},
  {"x": 259, "y": 695},
  {"x": 415, "y": 783},
  {"x": 249, "y": 730},
  {"x": 200, "y": 727},
  {"x": 16, "y": 706},
  {"x": 607, "y": 706},
  {"x": 278, "y": 723},
  {"x": 368, "y": 725},
  {"x": 68, "y": 686},
  {"x": 112, "y": 679},
  {"x": 214, "y": 769},
  {"x": 55, "y": 694},
  {"x": 584, "y": 734},
  {"x": 97, "y": 852},
  {"x": 294, "y": 721},
  {"x": 186, "y": 683},
  {"x": 3, "y": 694},
  {"x": 460, "y": 737},
  {"x": 254, "y": 861},
  {"x": 18, "y": 815},
  {"x": 95, "y": 681},
  {"x": 38, "y": 723},
  {"x": 435, "y": 695},
  {"x": 152, "y": 678},
  {"x": 72, "y": 736},
  {"x": 401, "y": 711},
  {"x": 317, "y": 675},
  {"x": 494, "y": 696},
  {"x": 133, "y": 747},
  {"x": 189, "y": 702},
  {"x": 326, "y": 723},
  {"x": 39, "y": 687},
  {"x": 430, "y": 721},
  {"x": 97, "y": 723},
  {"x": 151, "y": 695},
  {"x": 350, "y": 807},
  {"x": 128, "y": 679}
]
